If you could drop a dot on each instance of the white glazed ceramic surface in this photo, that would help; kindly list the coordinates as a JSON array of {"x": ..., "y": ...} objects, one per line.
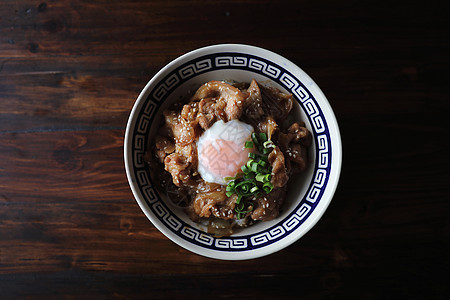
[{"x": 309, "y": 193}]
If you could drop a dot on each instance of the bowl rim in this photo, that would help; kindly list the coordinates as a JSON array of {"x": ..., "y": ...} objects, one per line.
[{"x": 330, "y": 120}]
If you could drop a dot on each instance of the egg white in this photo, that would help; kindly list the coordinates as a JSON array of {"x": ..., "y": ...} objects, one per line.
[{"x": 235, "y": 131}]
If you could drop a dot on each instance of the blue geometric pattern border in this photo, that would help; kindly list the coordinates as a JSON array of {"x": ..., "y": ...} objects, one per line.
[{"x": 272, "y": 71}]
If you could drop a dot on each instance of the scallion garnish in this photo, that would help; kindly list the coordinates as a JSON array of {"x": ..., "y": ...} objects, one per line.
[
  {"x": 262, "y": 163},
  {"x": 267, "y": 150},
  {"x": 262, "y": 137},
  {"x": 262, "y": 177},
  {"x": 268, "y": 144},
  {"x": 240, "y": 209},
  {"x": 256, "y": 177},
  {"x": 268, "y": 187},
  {"x": 255, "y": 138},
  {"x": 254, "y": 167},
  {"x": 249, "y": 144}
]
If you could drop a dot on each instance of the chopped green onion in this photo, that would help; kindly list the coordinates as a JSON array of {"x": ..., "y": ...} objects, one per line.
[
  {"x": 250, "y": 163},
  {"x": 240, "y": 209},
  {"x": 260, "y": 177},
  {"x": 242, "y": 183},
  {"x": 262, "y": 163},
  {"x": 248, "y": 176},
  {"x": 268, "y": 144},
  {"x": 254, "y": 189},
  {"x": 262, "y": 137},
  {"x": 255, "y": 138},
  {"x": 239, "y": 199},
  {"x": 268, "y": 187},
  {"x": 256, "y": 177}
]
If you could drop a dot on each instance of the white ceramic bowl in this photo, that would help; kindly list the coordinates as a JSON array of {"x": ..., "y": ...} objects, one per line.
[{"x": 308, "y": 194}]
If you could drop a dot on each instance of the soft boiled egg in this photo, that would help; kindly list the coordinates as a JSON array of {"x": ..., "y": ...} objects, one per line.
[{"x": 221, "y": 150}]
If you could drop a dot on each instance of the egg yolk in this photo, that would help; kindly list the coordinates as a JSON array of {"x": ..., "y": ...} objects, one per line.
[{"x": 224, "y": 158}]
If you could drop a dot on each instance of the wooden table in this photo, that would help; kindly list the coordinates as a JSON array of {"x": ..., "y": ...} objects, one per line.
[{"x": 70, "y": 72}]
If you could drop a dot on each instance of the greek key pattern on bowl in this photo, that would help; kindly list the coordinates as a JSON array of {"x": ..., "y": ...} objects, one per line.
[
  {"x": 165, "y": 214},
  {"x": 296, "y": 218},
  {"x": 197, "y": 235},
  {"x": 260, "y": 66},
  {"x": 321, "y": 173},
  {"x": 264, "y": 237},
  {"x": 195, "y": 68},
  {"x": 225, "y": 61},
  {"x": 147, "y": 189},
  {"x": 139, "y": 151},
  {"x": 294, "y": 86},
  {"x": 231, "y": 243},
  {"x": 165, "y": 87}
]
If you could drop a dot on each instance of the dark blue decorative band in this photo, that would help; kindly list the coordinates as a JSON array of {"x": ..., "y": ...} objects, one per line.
[{"x": 272, "y": 71}]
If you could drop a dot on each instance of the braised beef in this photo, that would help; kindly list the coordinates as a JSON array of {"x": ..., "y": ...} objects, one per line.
[
  {"x": 253, "y": 107},
  {"x": 276, "y": 103},
  {"x": 279, "y": 174},
  {"x": 269, "y": 126},
  {"x": 178, "y": 167},
  {"x": 219, "y": 100},
  {"x": 183, "y": 131},
  {"x": 291, "y": 143},
  {"x": 206, "y": 203},
  {"x": 163, "y": 146},
  {"x": 268, "y": 206}
]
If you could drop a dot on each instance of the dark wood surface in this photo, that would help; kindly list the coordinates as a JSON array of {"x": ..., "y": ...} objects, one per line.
[{"x": 70, "y": 72}]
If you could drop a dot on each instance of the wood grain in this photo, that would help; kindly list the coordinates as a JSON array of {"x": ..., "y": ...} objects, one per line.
[{"x": 70, "y": 72}]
